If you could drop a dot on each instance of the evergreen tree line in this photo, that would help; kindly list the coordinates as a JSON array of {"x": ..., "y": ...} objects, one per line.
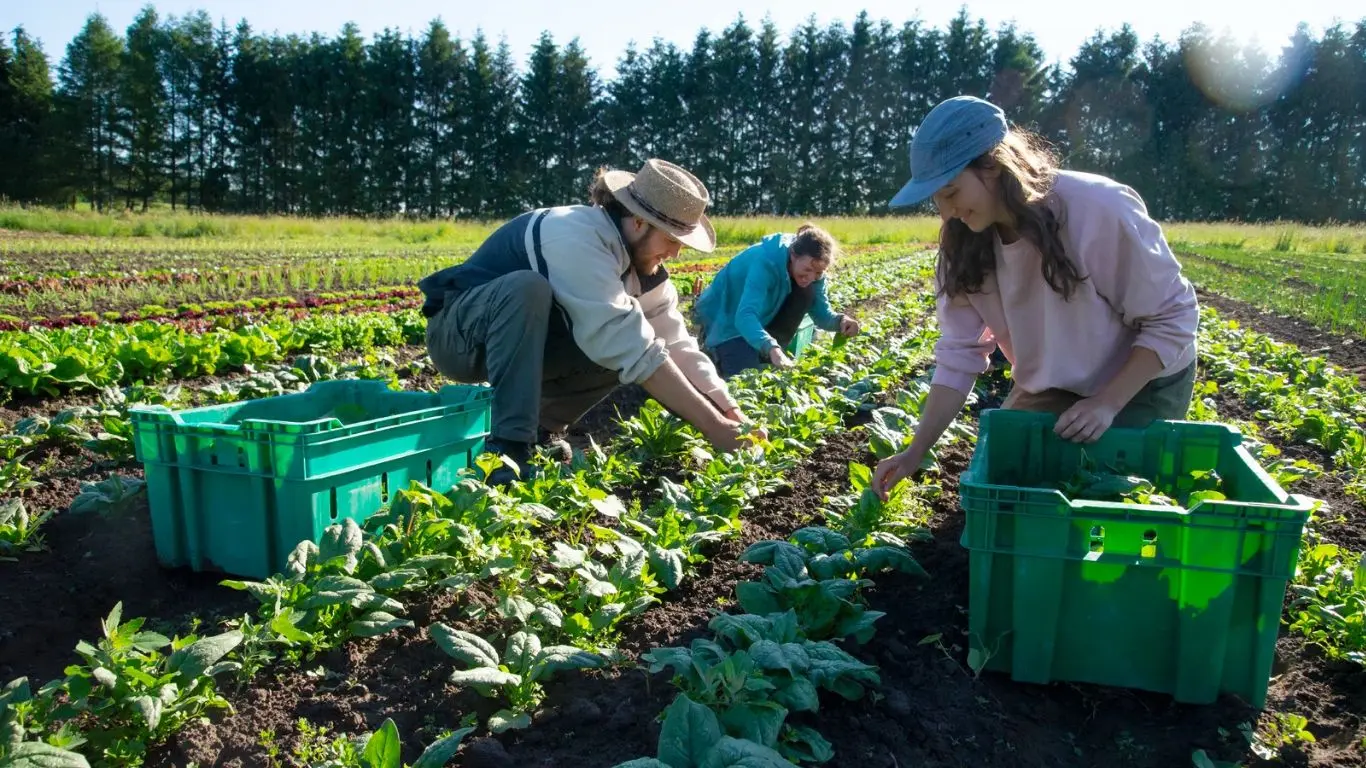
[{"x": 817, "y": 123}]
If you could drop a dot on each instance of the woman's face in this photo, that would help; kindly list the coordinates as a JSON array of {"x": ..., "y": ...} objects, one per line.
[
  {"x": 973, "y": 197},
  {"x": 806, "y": 270}
]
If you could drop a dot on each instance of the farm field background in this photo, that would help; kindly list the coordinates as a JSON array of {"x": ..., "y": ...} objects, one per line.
[{"x": 103, "y": 312}]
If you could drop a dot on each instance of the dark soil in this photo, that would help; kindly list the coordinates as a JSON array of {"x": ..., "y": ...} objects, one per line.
[
  {"x": 54, "y": 598},
  {"x": 1345, "y": 352},
  {"x": 608, "y": 715},
  {"x": 931, "y": 711}
]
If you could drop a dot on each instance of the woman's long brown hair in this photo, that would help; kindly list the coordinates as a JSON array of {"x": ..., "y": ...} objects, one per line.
[{"x": 1028, "y": 168}]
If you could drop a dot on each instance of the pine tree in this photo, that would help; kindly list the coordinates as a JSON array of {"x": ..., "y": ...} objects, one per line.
[
  {"x": 440, "y": 98},
  {"x": 391, "y": 146},
  {"x": 88, "y": 110},
  {"x": 145, "y": 119},
  {"x": 26, "y": 121}
]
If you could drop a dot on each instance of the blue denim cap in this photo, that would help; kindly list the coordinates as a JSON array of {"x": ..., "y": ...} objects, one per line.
[{"x": 956, "y": 132}]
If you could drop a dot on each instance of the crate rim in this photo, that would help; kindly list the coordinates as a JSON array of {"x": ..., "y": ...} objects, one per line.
[
  {"x": 1295, "y": 503},
  {"x": 974, "y": 470},
  {"x": 160, "y": 417}
]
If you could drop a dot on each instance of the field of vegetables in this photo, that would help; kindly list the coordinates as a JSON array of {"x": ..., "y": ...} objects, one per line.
[{"x": 652, "y": 604}]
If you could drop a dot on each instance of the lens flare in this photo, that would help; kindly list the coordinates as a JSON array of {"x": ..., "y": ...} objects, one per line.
[{"x": 1239, "y": 78}]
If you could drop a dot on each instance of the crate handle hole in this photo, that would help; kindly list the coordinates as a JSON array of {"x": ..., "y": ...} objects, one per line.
[
  {"x": 333, "y": 497},
  {"x": 1097, "y": 538},
  {"x": 1149, "y": 544},
  {"x": 429, "y": 473},
  {"x": 241, "y": 457},
  {"x": 213, "y": 459},
  {"x": 384, "y": 488}
]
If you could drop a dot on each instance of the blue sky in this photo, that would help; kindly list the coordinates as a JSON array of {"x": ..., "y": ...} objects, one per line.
[{"x": 604, "y": 28}]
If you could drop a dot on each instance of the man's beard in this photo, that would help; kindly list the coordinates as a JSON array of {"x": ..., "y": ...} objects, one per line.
[{"x": 643, "y": 266}]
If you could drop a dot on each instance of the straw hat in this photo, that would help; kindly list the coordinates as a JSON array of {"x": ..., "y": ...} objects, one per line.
[{"x": 668, "y": 197}]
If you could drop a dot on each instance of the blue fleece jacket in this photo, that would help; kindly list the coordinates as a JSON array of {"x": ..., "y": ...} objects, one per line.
[{"x": 745, "y": 296}]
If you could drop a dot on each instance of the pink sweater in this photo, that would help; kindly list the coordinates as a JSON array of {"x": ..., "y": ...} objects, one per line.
[{"x": 1134, "y": 295}]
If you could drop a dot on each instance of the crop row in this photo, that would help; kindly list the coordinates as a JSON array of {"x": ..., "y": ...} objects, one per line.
[
  {"x": 1303, "y": 400},
  {"x": 50, "y": 362},
  {"x": 103, "y": 428},
  {"x": 120, "y": 297},
  {"x": 1327, "y": 293},
  {"x": 609, "y": 563},
  {"x": 244, "y": 309}
]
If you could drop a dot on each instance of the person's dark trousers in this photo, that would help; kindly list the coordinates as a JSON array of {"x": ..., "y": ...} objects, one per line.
[
  {"x": 737, "y": 355},
  {"x": 508, "y": 332}
]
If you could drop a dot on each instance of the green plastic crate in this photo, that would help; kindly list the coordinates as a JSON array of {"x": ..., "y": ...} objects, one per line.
[
  {"x": 1179, "y": 601},
  {"x": 235, "y": 488},
  {"x": 806, "y": 333}
]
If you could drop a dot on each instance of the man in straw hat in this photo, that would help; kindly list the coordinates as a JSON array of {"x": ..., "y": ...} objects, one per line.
[{"x": 561, "y": 305}]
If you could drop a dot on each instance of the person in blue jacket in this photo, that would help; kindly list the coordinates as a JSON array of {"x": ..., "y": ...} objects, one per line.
[{"x": 756, "y": 302}]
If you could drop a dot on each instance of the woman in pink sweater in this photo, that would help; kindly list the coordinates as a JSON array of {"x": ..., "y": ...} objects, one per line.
[{"x": 1065, "y": 272}]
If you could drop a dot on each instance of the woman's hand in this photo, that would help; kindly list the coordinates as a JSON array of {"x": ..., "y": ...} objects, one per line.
[
  {"x": 1086, "y": 421},
  {"x": 892, "y": 470},
  {"x": 779, "y": 360},
  {"x": 848, "y": 325}
]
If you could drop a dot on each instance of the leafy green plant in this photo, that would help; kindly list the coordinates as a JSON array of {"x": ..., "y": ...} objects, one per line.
[
  {"x": 609, "y": 468},
  {"x": 893, "y": 427},
  {"x": 1282, "y": 729},
  {"x": 577, "y": 500},
  {"x": 817, "y": 586},
  {"x": 758, "y": 670},
  {"x": 130, "y": 694},
  {"x": 692, "y": 737},
  {"x": 598, "y": 597},
  {"x": 749, "y": 702},
  {"x": 1189, "y": 489},
  {"x": 671, "y": 542},
  {"x": 712, "y": 506},
  {"x": 863, "y": 517},
  {"x": 112, "y": 497},
  {"x": 421, "y": 523},
  {"x": 656, "y": 434},
  {"x": 381, "y": 749},
  {"x": 1330, "y": 601},
  {"x": 427, "y": 538},
  {"x": 518, "y": 674},
  {"x": 529, "y": 610},
  {"x": 20, "y": 717},
  {"x": 19, "y": 528},
  {"x": 319, "y": 603},
  {"x": 15, "y": 476}
]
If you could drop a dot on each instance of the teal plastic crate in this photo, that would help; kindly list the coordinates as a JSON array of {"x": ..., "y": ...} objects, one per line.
[
  {"x": 806, "y": 334},
  {"x": 1157, "y": 598},
  {"x": 235, "y": 488}
]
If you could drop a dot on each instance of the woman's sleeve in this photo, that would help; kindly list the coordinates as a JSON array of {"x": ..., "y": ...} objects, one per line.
[{"x": 965, "y": 344}]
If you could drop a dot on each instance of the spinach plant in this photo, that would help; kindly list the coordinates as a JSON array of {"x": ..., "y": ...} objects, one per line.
[
  {"x": 130, "y": 693},
  {"x": 517, "y": 674}
]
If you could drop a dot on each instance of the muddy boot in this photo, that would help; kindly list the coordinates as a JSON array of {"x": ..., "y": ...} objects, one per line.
[
  {"x": 518, "y": 452},
  {"x": 554, "y": 448}
]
